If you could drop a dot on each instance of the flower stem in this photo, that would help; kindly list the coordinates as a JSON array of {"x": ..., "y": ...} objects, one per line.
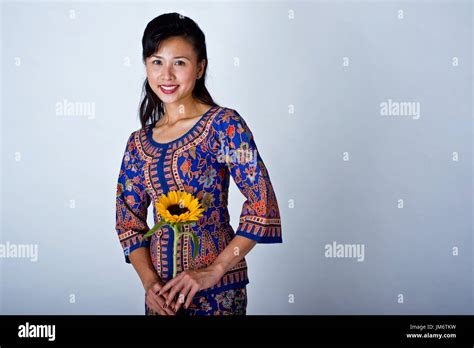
[{"x": 175, "y": 248}]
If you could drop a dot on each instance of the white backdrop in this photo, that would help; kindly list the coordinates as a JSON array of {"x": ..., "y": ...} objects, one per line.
[{"x": 362, "y": 113}]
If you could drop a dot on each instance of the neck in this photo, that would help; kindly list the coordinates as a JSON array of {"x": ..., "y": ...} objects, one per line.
[{"x": 187, "y": 108}]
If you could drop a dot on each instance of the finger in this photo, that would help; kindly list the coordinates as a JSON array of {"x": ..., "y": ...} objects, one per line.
[
  {"x": 191, "y": 294},
  {"x": 156, "y": 287},
  {"x": 163, "y": 297},
  {"x": 181, "y": 298},
  {"x": 168, "y": 285},
  {"x": 161, "y": 303},
  {"x": 174, "y": 290},
  {"x": 160, "y": 300},
  {"x": 171, "y": 283},
  {"x": 171, "y": 305},
  {"x": 155, "y": 306}
]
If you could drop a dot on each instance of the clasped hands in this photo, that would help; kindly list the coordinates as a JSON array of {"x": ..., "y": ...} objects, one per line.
[{"x": 161, "y": 297}]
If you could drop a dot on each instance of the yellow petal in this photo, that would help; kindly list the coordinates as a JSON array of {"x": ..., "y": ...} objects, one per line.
[
  {"x": 165, "y": 201},
  {"x": 186, "y": 199},
  {"x": 193, "y": 205},
  {"x": 173, "y": 197}
]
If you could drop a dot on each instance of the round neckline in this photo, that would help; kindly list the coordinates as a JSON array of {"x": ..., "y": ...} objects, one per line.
[{"x": 155, "y": 143}]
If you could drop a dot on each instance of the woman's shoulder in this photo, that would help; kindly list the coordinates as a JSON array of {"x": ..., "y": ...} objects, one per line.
[
  {"x": 228, "y": 110},
  {"x": 227, "y": 115},
  {"x": 135, "y": 134},
  {"x": 135, "y": 139}
]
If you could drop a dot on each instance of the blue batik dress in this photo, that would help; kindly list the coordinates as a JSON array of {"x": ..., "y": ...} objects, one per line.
[{"x": 201, "y": 162}]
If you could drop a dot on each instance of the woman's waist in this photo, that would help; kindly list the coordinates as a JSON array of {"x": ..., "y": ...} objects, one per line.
[
  {"x": 219, "y": 288},
  {"x": 236, "y": 277},
  {"x": 210, "y": 246}
]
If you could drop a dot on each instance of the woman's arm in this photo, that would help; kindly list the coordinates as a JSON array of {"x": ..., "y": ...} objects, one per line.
[
  {"x": 141, "y": 261},
  {"x": 232, "y": 254},
  {"x": 190, "y": 282}
]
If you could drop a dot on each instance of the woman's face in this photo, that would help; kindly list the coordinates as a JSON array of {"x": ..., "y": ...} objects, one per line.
[{"x": 172, "y": 70}]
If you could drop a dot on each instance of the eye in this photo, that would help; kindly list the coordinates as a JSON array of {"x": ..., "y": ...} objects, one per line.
[
  {"x": 156, "y": 60},
  {"x": 180, "y": 61}
]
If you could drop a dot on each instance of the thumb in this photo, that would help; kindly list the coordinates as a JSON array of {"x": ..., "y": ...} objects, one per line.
[{"x": 157, "y": 286}]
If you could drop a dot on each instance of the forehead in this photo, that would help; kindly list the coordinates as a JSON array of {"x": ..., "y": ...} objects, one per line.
[{"x": 175, "y": 46}]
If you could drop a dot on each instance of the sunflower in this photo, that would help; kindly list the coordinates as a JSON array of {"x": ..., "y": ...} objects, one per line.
[
  {"x": 179, "y": 206},
  {"x": 177, "y": 209}
]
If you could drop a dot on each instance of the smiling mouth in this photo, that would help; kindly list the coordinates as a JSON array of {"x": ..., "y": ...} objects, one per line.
[{"x": 168, "y": 89}]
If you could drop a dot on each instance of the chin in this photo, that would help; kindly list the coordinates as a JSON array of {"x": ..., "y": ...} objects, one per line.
[{"x": 169, "y": 100}]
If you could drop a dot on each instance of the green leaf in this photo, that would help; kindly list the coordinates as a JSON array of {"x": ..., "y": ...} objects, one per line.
[
  {"x": 196, "y": 245},
  {"x": 195, "y": 242},
  {"x": 154, "y": 228}
]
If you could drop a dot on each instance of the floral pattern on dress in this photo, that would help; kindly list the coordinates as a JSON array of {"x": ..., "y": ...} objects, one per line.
[
  {"x": 220, "y": 146},
  {"x": 227, "y": 302}
]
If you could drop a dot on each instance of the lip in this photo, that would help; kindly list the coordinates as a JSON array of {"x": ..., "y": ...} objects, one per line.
[{"x": 170, "y": 91}]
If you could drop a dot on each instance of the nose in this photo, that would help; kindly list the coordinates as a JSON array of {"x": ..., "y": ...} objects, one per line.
[{"x": 167, "y": 72}]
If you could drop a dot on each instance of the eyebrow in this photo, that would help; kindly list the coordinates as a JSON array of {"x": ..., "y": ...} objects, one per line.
[{"x": 154, "y": 55}]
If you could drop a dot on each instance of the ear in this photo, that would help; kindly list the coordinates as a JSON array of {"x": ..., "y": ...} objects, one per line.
[{"x": 201, "y": 67}]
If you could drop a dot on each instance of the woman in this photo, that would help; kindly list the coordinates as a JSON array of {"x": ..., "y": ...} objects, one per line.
[{"x": 189, "y": 143}]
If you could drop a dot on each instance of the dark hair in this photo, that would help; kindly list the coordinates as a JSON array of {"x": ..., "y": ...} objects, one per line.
[{"x": 160, "y": 28}]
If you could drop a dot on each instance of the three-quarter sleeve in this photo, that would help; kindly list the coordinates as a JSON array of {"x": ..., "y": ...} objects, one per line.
[
  {"x": 260, "y": 216},
  {"x": 132, "y": 201}
]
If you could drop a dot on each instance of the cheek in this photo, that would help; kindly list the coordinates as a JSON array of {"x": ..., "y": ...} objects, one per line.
[
  {"x": 151, "y": 74},
  {"x": 187, "y": 77}
]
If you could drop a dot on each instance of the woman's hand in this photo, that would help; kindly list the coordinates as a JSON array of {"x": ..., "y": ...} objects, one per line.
[
  {"x": 188, "y": 283},
  {"x": 156, "y": 302}
]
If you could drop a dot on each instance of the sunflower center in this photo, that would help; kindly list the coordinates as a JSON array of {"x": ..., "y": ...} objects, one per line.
[{"x": 175, "y": 209}]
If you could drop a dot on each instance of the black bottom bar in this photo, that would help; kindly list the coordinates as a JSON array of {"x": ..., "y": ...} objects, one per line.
[{"x": 353, "y": 331}]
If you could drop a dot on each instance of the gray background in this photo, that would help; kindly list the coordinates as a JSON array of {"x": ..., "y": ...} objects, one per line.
[{"x": 90, "y": 52}]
